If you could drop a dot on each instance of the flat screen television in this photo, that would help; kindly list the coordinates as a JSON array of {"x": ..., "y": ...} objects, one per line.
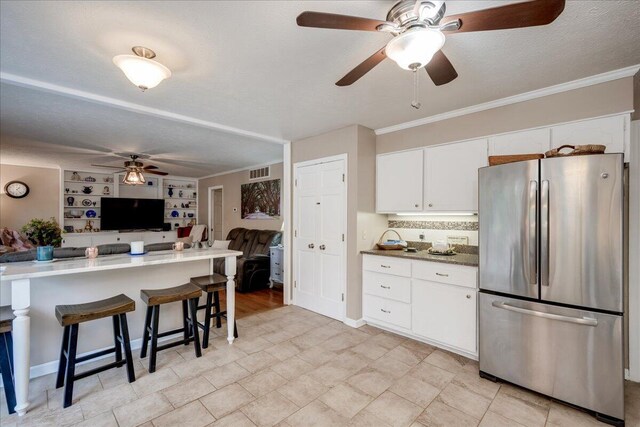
[{"x": 118, "y": 213}]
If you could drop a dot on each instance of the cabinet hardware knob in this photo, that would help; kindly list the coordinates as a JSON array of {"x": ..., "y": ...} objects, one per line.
[
  {"x": 277, "y": 263},
  {"x": 385, "y": 266},
  {"x": 385, "y": 311},
  {"x": 322, "y": 247},
  {"x": 311, "y": 246},
  {"x": 442, "y": 274},
  {"x": 416, "y": 205},
  {"x": 385, "y": 287},
  {"x": 430, "y": 205},
  {"x": 468, "y": 296}
]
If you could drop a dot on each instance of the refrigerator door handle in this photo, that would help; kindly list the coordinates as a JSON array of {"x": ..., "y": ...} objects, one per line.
[
  {"x": 587, "y": 321},
  {"x": 544, "y": 234},
  {"x": 533, "y": 226}
]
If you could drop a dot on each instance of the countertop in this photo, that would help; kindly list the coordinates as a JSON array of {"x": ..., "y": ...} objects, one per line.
[
  {"x": 30, "y": 269},
  {"x": 459, "y": 259}
]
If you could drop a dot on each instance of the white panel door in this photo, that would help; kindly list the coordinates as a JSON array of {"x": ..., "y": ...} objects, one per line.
[
  {"x": 399, "y": 181},
  {"x": 451, "y": 175},
  {"x": 536, "y": 141},
  {"x": 609, "y": 131},
  {"x": 319, "y": 224},
  {"x": 444, "y": 313}
]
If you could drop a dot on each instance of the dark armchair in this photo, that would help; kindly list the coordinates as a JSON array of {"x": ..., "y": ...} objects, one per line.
[{"x": 253, "y": 267}]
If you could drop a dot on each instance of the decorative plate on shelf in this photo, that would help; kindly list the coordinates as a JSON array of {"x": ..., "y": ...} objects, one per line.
[
  {"x": 175, "y": 214},
  {"x": 91, "y": 213},
  {"x": 86, "y": 202}
]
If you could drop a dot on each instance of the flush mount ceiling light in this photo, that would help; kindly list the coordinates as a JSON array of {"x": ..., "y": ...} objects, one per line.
[
  {"x": 141, "y": 69},
  {"x": 414, "y": 48}
]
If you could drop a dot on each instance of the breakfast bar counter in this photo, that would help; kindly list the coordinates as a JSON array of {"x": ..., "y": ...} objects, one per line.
[{"x": 35, "y": 288}]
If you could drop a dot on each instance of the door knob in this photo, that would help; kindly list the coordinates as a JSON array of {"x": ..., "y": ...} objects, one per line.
[
  {"x": 311, "y": 246},
  {"x": 322, "y": 247}
]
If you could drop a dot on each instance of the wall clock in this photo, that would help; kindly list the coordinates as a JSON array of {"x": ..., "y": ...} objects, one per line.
[{"x": 16, "y": 189}]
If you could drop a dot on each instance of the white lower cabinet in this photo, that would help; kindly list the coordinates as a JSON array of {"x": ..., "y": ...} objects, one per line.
[
  {"x": 80, "y": 240},
  {"x": 429, "y": 301},
  {"x": 445, "y": 313}
]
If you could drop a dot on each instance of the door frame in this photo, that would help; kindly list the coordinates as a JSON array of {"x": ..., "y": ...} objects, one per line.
[
  {"x": 344, "y": 157},
  {"x": 210, "y": 191}
]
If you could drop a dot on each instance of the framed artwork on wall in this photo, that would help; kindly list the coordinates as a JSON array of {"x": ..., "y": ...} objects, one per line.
[{"x": 260, "y": 200}]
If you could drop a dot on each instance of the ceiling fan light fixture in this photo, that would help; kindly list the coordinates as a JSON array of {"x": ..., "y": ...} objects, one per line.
[
  {"x": 141, "y": 69},
  {"x": 415, "y": 47},
  {"x": 133, "y": 177}
]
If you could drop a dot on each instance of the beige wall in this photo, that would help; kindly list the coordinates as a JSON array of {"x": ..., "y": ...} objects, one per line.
[
  {"x": 593, "y": 101},
  {"x": 363, "y": 225},
  {"x": 43, "y": 200},
  {"x": 231, "y": 199}
]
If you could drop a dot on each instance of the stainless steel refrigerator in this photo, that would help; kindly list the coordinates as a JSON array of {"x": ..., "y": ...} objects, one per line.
[{"x": 551, "y": 279}]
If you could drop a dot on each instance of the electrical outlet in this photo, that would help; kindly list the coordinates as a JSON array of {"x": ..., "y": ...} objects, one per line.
[
  {"x": 364, "y": 234},
  {"x": 421, "y": 236}
]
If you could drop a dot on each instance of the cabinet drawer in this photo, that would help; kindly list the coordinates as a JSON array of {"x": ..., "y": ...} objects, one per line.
[
  {"x": 460, "y": 275},
  {"x": 387, "y": 286},
  {"x": 388, "y": 311},
  {"x": 387, "y": 265}
]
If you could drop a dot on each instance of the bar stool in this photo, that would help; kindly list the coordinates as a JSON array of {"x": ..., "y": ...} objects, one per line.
[
  {"x": 212, "y": 285},
  {"x": 6, "y": 356},
  {"x": 154, "y": 298},
  {"x": 70, "y": 317}
]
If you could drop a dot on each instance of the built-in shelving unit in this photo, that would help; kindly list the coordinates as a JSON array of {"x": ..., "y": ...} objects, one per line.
[
  {"x": 181, "y": 198},
  {"x": 81, "y": 193}
]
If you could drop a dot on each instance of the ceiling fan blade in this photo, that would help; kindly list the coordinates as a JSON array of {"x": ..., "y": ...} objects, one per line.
[
  {"x": 518, "y": 15},
  {"x": 362, "y": 69},
  {"x": 150, "y": 167},
  {"x": 105, "y": 166},
  {"x": 155, "y": 172},
  {"x": 440, "y": 69},
  {"x": 339, "y": 22}
]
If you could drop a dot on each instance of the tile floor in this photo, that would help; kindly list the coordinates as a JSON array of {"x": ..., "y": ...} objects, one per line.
[{"x": 292, "y": 367}]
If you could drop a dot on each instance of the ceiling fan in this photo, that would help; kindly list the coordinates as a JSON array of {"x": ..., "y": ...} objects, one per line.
[
  {"x": 418, "y": 27},
  {"x": 134, "y": 170}
]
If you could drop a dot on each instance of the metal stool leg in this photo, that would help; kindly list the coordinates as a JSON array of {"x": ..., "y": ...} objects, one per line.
[
  {"x": 196, "y": 336},
  {"x": 207, "y": 320},
  {"x": 116, "y": 335},
  {"x": 62, "y": 363},
  {"x": 6, "y": 367},
  {"x": 154, "y": 339},
  {"x": 145, "y": 334},
  {"x": 71, "y": 365},
  {"x": 124, "y": 335}
]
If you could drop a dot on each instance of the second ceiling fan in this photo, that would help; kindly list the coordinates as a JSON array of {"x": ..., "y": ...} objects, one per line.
[{"x": 418, "y": 27}]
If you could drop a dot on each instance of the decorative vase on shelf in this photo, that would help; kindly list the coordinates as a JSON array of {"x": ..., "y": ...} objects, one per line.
[
  {"x": 180, "y": 193},
  {"x": 170, "y": 192}
]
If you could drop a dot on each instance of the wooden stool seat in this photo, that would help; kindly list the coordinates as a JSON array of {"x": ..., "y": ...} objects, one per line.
[
  {"x": 77, "y": 313},
  {"x": 6, "y": 317},
  {"x": 6, "y": 356},
  {"x": 164, "y": 296},
  {"x": 211, "y": 282}
]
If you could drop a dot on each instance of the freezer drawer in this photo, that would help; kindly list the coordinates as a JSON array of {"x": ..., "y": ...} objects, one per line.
[{"x": 571, "y": 355}]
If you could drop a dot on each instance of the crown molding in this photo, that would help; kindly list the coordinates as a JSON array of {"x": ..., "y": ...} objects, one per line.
[
  {"x": 247, "y": 168},
  {"x": 16, "y": 80},
  {"x": 538, "y": 93}
]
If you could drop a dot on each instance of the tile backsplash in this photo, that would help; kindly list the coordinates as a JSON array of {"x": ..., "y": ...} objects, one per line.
[{"x": 454, "y": 229}]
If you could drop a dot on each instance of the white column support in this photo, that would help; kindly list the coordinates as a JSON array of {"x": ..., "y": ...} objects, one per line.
[
  {"x": 20, "y": 303},
  {"x": 230, "y": 270}
]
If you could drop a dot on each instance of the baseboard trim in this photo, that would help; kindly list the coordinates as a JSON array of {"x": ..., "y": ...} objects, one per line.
[{"x": 354, "y": 323}]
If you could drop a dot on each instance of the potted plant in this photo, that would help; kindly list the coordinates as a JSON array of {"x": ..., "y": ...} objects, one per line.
[{"x": 45, "y": 234}]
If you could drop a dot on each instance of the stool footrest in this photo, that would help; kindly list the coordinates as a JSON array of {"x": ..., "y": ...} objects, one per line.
[
  {"x": 94, "y": 355},
  {"x": 99, "y": 369},
  {"x": 174, "y": 344}
]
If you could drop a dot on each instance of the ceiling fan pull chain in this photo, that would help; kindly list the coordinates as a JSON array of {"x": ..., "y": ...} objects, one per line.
[{"x": 415, "y": 104}]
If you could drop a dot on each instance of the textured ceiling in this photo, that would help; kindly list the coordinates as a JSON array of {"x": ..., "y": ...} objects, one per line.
[{"x": 245, "y": 64}]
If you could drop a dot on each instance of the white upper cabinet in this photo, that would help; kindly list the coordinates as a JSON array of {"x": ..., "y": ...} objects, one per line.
[
  {"x": 451, "y": 175},
  {"x": 609, "y": 131},
  {"x": 399, "y": 178},
  {"x": 536, "y": 141}
]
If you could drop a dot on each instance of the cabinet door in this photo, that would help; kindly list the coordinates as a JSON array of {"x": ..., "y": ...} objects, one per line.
[
  {"x": 451, "y": 175},
  {"x": 536, "y": 141},
  {"x": 444, "y": 313},
  {"x": 399, "y": 182},
  {"x": 76, "y": 241},
  {"x": 609, "y": 131}
]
